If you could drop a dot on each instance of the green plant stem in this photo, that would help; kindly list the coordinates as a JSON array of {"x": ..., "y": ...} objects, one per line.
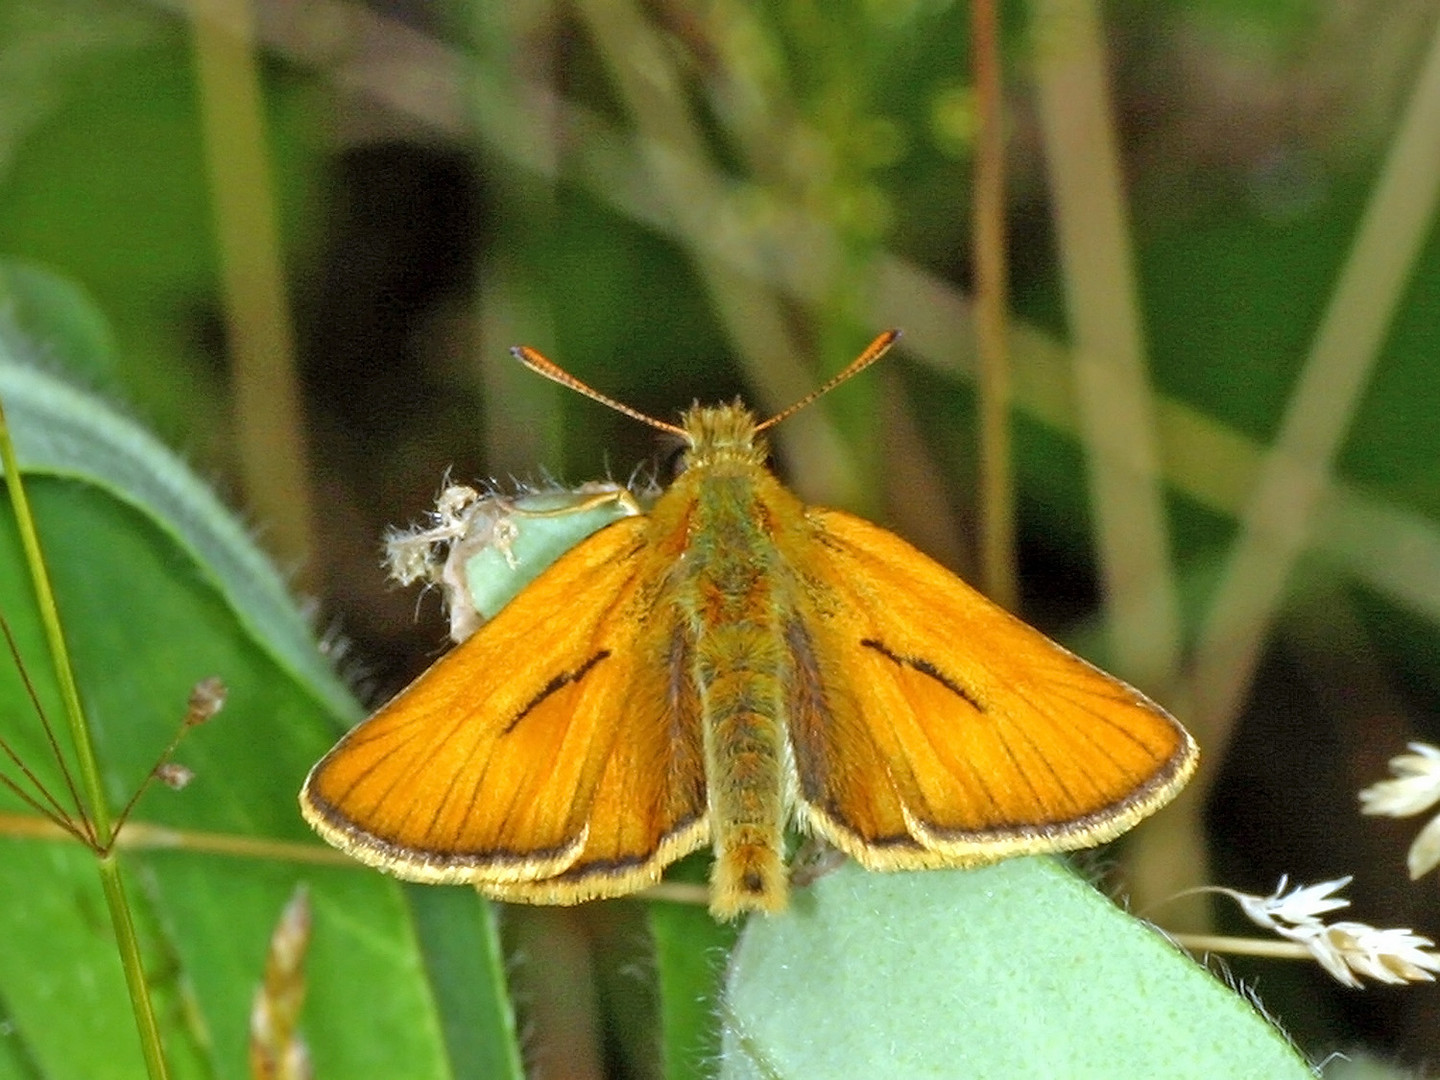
[
  {"x": 128, "y": 942},
  {"x": 97, "y": 809}
]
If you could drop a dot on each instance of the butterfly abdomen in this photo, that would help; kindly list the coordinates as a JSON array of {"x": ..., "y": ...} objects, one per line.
[{"x": 739, "y": 662}]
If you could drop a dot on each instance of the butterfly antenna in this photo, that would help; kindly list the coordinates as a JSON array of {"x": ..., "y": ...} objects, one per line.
[
  {"x": 552, "y": 371},
  {"x": 874, "y": 351}
]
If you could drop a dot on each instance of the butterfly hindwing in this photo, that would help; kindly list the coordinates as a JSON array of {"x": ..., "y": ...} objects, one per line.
[
  {"x": 978, "y": 737},
  {"x": 649, "y": 807}
]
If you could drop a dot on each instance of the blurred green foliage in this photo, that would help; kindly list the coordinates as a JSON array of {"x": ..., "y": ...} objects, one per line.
[{"x": 835, "y": 137}]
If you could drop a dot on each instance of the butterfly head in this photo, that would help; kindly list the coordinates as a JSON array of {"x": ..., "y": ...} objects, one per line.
[{"x": 722, "y": 434}]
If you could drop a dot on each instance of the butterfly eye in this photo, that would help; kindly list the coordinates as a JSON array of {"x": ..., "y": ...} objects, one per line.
[{"x": 672, "y": 462}]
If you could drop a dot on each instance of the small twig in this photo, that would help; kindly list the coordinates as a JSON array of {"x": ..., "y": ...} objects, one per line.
[
  {"x": 145, "y": 836},
  {"x": 207, "y": 698},
  {"x": 1241, "y": 946}
]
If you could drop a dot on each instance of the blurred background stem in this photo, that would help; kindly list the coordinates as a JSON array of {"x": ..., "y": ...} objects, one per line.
[
  {"x": 992, "y": 298},
  {"x": 1277, "y": 520},
  {"x": 1114, "y": 401},
  {"x": 268, "y": 412}
]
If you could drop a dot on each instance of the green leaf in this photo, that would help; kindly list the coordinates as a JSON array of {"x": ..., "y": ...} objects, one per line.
[
  {"x": 543, "y": 526},
  {"x": 159, "y": 587},
  {"x": 690, "y": 951},
  {"x": 62, "y": 431},
  {"x": 50, "y": 316},
  {"x": 1015, "y": 970}
]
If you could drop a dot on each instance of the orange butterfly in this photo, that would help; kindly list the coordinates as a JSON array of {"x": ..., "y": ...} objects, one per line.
[{"x": 728, "y": 663}]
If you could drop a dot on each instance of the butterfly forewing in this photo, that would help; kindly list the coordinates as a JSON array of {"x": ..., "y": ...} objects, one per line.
[
  {"x": 988, "y": 739},
  {"x": 504, "y": 762}
]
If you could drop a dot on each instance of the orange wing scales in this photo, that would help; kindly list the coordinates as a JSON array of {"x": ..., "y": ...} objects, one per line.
[
  {"x": 559, "y": 682},
  {"x": 978, "y": 737},
  {"x": 493, "y": 770},
  {"x": 924, "y": 667}
]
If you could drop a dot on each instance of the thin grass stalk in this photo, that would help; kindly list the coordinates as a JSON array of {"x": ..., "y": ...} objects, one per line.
[
  {"x": 1112, "y": 389},
  {"x": 512, "y": 49},
  {"x": 997, "y": 489},
  {"x": 97, "y": 810},
  {"x": 269, "y": 416},
  {"x": 1115, "y": 405}
]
